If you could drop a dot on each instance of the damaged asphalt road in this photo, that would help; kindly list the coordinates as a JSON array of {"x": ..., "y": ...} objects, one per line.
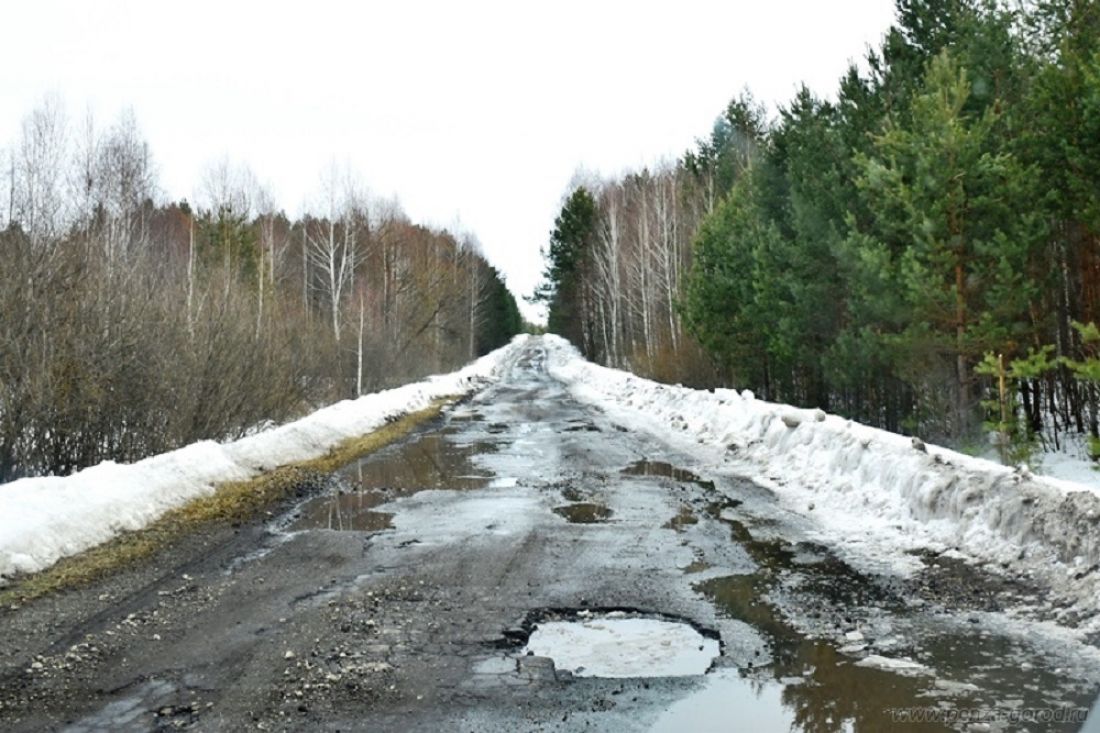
[{"x": 400, "y": 595}]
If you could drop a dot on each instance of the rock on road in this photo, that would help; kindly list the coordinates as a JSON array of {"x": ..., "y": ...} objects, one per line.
[{"x": 400, "y": 595}]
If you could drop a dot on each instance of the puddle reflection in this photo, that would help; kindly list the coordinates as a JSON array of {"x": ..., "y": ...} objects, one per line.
[
  {"x": 824, "y": 691},
  {"x": 662, "y": 469},
  {"x": 429, "y": 461},
  {"x": 584, "y": 513}
]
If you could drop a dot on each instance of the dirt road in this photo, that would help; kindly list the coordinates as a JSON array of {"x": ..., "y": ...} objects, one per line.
[{"x": 400, "y": 596}]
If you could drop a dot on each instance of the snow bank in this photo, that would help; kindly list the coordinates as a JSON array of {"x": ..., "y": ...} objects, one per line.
[
  {"x": 874, "y": 494},
  {"x": 45, "y": 519}
]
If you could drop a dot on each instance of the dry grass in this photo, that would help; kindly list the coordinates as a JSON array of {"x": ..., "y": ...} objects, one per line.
[{"x": 233, "y": 501}]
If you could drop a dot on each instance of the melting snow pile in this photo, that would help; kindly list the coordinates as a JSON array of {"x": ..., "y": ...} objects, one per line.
[
  {"x": 44, "y": 519},
  {"x": 623, "y": 647},
  {"x": 873, "y": 493}
]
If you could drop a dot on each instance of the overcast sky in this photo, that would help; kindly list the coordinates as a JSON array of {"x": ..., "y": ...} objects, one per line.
[{"x": 476, "y": 113}]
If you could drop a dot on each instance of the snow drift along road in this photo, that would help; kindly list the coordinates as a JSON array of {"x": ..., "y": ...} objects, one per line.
[
  {"x": 47, "y": 518},
  {"x": 875, "y": 495}
]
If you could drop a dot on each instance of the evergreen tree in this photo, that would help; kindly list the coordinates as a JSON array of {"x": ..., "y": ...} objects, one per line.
[
  {"x": 570, "y": 241},
  {"x": 227, "y": 239},
  {"x": 722, "y": 305},
  {"x": 949, "y": 208},
  {"x": 501, "y": 320}
]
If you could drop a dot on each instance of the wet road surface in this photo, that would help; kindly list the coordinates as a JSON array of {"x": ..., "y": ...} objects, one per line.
[{"x": 401, "y": 594}]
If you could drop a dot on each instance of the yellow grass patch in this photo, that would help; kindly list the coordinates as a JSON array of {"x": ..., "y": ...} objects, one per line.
[{"x": 232, "y": 501}]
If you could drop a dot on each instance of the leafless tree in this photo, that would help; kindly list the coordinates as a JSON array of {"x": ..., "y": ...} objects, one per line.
[
  {"x": 38, "y": 186},
  {"x": 129, "y": 326},
  {"x": 335, "y": 247}
]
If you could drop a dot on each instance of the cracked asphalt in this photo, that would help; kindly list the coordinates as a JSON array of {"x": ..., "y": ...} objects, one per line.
[{"x": 398, "y": 596}]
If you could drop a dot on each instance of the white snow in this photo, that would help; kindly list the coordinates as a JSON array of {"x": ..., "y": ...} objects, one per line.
[
  {"x": 874, "y": 495},
  {"x": 1070, "y": 464},
  {"x": 47, "y": 518},
  {"x": 1068, "y": 461},
  {"x": 623, "y": 647}
]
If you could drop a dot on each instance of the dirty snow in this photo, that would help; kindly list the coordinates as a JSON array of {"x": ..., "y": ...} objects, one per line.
[
  {"x": 623, "y": 647},
  {"x": 44, "y": 519},
  {"x": 876, "y": 496}
]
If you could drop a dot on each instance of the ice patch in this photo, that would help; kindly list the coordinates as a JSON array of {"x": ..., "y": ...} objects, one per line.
[
  {"x": 623, "y": 647},
  {"x": 893, "y": 664}
]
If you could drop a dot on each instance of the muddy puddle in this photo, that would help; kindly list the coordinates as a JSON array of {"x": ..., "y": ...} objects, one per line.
[
  {"x": 429, "y": 461},
  {"x": 349, "y": 512},
  {"x": 583, "y": 513},
  {"x": 865, "y": 683},
  {"x": 824, "y": 689},
  {"x": 661, "y": 469}
]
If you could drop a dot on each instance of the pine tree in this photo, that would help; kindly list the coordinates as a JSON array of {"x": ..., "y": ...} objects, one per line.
[
  {"x": 561, "y": 288},
  {"x": 722, "y": 303},
  {"x": 949, "y": 209}
]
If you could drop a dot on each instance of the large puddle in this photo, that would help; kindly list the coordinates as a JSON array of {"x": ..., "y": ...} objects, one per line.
[
  {"x": 429, "y": 461},
  {"x": 812, "y": 685},
  {"x": 819, "y": 688},
  {"x": 608, "y": 646}
]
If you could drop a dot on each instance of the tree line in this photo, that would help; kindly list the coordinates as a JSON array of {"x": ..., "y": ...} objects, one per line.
[
  {"x": 920, "y": 252},
  {"x": 130, "y": 325}
]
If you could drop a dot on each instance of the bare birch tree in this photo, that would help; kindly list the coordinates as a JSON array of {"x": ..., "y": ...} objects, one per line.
[
  {"x": 38, "y": 180},
  {"x": 334, "y": 243}
]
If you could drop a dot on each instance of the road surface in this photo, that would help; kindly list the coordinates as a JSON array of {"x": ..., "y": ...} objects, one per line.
[{"x": 400, "y": 595}]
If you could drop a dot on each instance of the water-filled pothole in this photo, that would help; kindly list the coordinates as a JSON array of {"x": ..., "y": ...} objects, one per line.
[
  {"x": 822, "y": 687},
  {"x": 616, "y": 646},
  {"x": 854, "y": 686},
  {"x": 662, "y": 469},
  {"x": 349, "y": 512},
  {"x": 429, "y": 461},
  {"x": 584, "y": 513}
]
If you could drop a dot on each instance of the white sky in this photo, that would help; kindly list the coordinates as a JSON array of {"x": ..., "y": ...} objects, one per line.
[{"x": 470, "y": 112}]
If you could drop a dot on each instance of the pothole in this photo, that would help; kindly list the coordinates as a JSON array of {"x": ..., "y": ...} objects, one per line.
[
  {"x": 615, "y": 645},
  {"x": 427, "y": 461},
  {"x": 348, "y": 512},
  {"x": 584, "y": 513},
  {"x": 662, "y": 469}
]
